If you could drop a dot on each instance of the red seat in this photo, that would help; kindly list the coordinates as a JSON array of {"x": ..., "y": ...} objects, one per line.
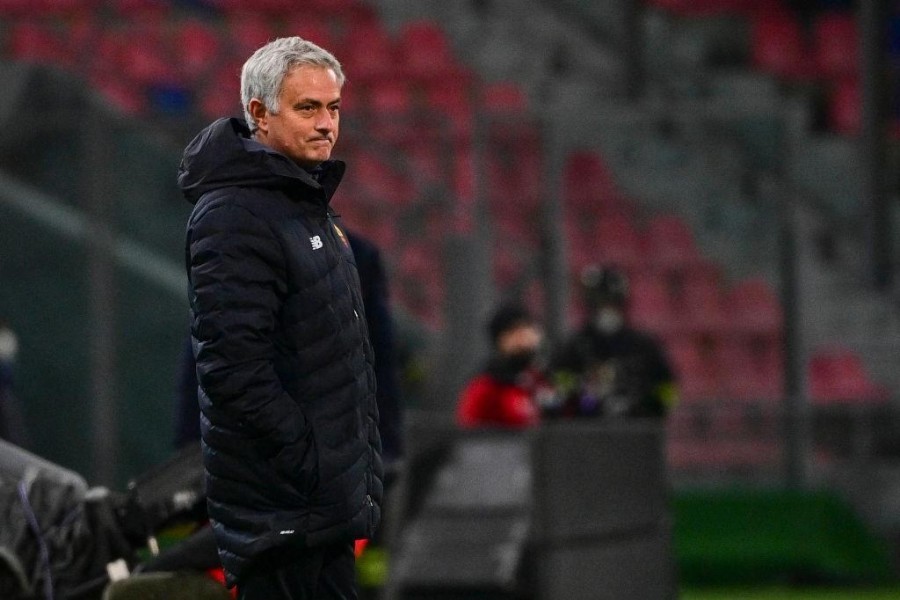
[
  {"x": 696, "y": 370},
  {"x": 369, "y": 53},
  {"x": 379, "y": 181},
  {"x": 120, "y": 94},
  {"x": 778, "y": 46},
  {"x": 424, "y": 51},
  {"x": 504, "y": 97},
  {"x": 650, "y": 305},
  {"x": 198, "y": 46},
  {"x": 835, "y": 45},
  {"x": 389, "y": 99},
  {"x": 221, "y": 96},
  {"x": 589, "y": 186},
  {"x": 752, "y": 369},
  {"x": 844, "y": 110},
  {"x": 754, "y": 307},
  {"x": 839, "y": 375},
  {"x": 451, "y": 101},
  {"x": 616, "y": 242},
  {"x": 247, "y": 32},
  {"x": 669, "y": 243},
  {"x": 703, "y": 301},
  {"x": 37, "y": 42}
]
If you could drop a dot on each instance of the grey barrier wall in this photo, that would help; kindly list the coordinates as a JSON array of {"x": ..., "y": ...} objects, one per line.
[{"x": 570, "y": 510}]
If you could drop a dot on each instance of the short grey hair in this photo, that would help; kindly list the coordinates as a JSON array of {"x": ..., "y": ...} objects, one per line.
[{"x": 264, "y": 72}]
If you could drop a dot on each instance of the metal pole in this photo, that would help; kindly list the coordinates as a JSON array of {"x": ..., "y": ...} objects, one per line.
[
  {"x": 101, "y": 285},
  {"x": 553, "y": 258},
  {"x": 796, "y": 422},
  {"x": 873, "y": 143}
]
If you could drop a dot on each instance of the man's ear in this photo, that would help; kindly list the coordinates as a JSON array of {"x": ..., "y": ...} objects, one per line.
[{"x": 260, "y": 114}]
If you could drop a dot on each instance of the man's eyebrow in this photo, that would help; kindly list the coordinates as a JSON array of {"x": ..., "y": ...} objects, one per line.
[{"x": 315, "y": 102}]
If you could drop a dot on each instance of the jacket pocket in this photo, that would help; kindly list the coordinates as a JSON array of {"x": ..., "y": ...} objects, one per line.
[{"x": 298, "y": 463}]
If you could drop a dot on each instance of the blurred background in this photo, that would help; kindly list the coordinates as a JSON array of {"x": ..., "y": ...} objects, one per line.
[{"x": 737, "y": 159}]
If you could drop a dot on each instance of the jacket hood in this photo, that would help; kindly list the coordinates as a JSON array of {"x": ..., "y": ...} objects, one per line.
[{"x": 225, "y": 155}]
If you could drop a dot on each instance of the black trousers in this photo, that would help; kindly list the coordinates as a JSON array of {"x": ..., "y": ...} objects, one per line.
[{"x": 327, "y": 573}]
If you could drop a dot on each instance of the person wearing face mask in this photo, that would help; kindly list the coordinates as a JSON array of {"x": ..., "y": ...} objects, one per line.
[
  {"x": 510, "y": 389},
  {"x": 606, "y": 367}
]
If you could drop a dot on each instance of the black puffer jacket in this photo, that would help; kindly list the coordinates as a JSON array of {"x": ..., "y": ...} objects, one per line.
[{"x": 287, "y": 387}]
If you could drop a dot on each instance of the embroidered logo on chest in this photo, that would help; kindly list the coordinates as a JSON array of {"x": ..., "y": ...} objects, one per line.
[{"x": 316, "y": 242}]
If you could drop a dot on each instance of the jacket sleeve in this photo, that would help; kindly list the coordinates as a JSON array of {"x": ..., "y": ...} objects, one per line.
[{"x": 237, "y": 282}]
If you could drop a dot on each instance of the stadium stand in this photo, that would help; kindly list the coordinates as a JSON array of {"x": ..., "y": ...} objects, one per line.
[{"x": 663, "y": 195}]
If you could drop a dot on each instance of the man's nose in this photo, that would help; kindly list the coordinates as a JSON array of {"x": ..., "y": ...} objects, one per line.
[{"x": 324, "y": 121}]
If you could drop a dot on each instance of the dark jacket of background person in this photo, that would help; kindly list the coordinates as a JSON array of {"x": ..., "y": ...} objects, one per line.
[
  {"x": 286, "y": 372},
  {"x": 622, "y": 373},
  {"x": 374, "y": 283},
  {"x": 607, "y": 367}
]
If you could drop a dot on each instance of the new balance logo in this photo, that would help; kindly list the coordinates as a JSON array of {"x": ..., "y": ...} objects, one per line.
[{"x": 316, "y": 242}]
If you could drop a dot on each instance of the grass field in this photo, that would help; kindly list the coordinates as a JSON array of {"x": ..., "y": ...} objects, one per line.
[{"x": 849, "y": 593}]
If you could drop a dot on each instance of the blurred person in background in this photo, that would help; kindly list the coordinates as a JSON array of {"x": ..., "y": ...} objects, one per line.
[
  {"x": 12, "y": 421},
  {"x": 510, "y": 389},
  {"x": 285, "y": 368},
  {"x": 607, "y": 367}
]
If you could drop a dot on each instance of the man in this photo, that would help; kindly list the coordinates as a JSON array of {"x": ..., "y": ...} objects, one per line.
[
  {"x": 608, "y": 368},
  {"x": 289, "y": 421},
  {"x": 510, "y": 389}
]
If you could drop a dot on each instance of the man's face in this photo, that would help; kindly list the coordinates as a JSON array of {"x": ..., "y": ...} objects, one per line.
[
  {"x": 524, "y": 338},
  {"x": 306, "y": 126}
]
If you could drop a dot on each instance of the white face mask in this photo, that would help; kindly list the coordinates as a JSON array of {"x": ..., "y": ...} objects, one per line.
[
  {"x": 609, "y": 320},
  {"x": 9, "y": 345}
]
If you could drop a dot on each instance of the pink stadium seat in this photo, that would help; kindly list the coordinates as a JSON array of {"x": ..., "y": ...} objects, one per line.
[
  {"x": 703, "y": 301},
  {"x": 199, "y": 48},
  {"x": 424, "y": 51},
  {"x": 616, "y": 241},
  {"x": 120, "y": 94},
  {"x": 220, "y": 96},
  {"x": 651, "y": 306},
  {"x": 37, "y": 42},
  {"x": 589, "y": 186},
  {"x": 504, "y": 97},
  {"x": 145, "y": 63},
  {"x": 754, "y": 307},
  {"x": 247, "y": 32},
  {"x": 453, "y": 100},
  {"x": 844, "y": 110},
  {"x": 835, "y": 45},
  {"x": 389, "y": 99},
  {"x": 778, "y": 46},
  {"x": 369, "y": 53},
  {"x": 669, "y": 242},
  {"x": 379, "y": 181},
  {"x": 751, "y": 369},
  {"x": 696, "y": 369},
  {"x": 838, "y": 375}
]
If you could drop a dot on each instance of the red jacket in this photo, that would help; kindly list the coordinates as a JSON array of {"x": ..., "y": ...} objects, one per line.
[{"x": 489, "y": 401}]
